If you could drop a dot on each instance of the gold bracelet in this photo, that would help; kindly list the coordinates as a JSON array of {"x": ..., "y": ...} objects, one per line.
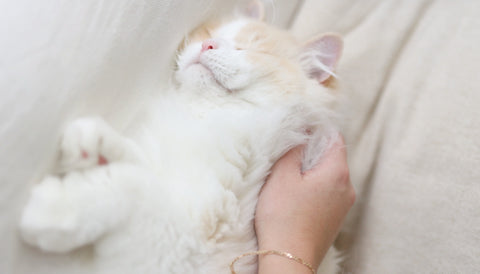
[{"x": 271, "y": 252}]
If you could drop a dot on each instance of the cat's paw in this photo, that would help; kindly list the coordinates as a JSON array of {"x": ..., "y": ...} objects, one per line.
[
  {"x": 49, "y": 220},
  {"x": 88, "y": 142}
]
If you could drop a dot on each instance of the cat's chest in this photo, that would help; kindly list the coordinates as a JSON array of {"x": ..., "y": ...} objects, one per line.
[{"x": 186, "y": 131}]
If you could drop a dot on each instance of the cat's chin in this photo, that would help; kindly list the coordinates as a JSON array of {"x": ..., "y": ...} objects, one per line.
[
  {"x": 201, "y": 69},
  {"x": 200, "y": 76}
]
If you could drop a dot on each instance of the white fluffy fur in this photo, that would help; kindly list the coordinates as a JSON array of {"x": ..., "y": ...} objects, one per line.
[{"x": 179, "y": 194}]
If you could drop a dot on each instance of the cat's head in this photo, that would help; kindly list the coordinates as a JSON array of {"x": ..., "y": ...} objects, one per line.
[{"x": 245, "y": 55}]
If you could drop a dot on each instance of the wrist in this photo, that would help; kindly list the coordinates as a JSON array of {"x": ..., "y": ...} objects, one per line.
[
  {"x": 298, "y": 245},
  {"x": 273, "y": 261}
]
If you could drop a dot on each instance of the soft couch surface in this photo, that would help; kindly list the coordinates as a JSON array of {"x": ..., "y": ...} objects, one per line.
[{"x": 410, "y": 73}]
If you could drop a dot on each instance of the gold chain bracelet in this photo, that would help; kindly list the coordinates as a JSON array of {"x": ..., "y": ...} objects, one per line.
[{"x": 270, "y": 252}]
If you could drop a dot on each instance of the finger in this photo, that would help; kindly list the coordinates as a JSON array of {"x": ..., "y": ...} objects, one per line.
[
  {"x": 337, "y": 149},
  {"x": 290, "y": 161},
  {"x": 334, "y": 156}
]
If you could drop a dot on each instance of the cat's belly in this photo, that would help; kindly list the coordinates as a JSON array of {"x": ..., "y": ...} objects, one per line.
[{"x": 170, "y": 239}]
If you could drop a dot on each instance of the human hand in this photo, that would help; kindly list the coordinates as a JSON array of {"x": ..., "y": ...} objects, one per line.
[{"x": 301, "y": 213}]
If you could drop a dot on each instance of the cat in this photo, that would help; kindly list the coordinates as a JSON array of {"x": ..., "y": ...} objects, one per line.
[{"x": 178, "y": 195}]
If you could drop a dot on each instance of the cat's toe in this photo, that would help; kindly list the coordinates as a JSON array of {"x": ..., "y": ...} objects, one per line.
[
  {"x": 48, "y": 221},
  {"x": 83, "y": 144}
]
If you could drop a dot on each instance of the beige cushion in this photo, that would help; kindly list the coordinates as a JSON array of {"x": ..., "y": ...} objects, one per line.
[{"x": 410, "y": 72}]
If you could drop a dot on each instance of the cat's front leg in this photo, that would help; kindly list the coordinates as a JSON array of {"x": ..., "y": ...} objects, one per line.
[
  {"x": 88, "y": 197},
  {"x": 64, "y": 213},
  {"x": 90, "y": 142}
]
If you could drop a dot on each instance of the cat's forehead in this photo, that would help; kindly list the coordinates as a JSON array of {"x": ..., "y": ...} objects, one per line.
[
  {"x": 227, "y": 30},
  {"x": 246, "y": 33},
  {"x": 230, "y": 30},
  {"x": 239, "y": 30}
]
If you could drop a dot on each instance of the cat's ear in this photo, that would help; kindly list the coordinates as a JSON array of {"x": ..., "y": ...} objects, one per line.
[
  {"x": 255, "y": 10},
  {"x": 320, "y": 56}
]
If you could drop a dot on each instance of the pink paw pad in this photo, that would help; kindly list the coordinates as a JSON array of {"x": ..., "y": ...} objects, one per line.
[{"x": 102, "y": 160}]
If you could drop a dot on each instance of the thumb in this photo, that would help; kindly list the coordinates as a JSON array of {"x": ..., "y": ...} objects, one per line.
[
  {"x": 290, "y": 161},
  {"x": 333, "y": 161}
]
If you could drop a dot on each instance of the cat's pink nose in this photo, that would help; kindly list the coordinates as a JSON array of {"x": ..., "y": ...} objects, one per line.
[{"x": 209, "y": 44}]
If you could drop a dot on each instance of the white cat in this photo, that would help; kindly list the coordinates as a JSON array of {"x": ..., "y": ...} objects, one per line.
[{"x": 179, "y": 194}]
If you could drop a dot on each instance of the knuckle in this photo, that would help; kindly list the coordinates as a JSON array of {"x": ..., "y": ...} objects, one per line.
[
  {"x": 352, "y": 195},
  {"x": 343, "y": 182},
  {"x": 343, "y": 174}
]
